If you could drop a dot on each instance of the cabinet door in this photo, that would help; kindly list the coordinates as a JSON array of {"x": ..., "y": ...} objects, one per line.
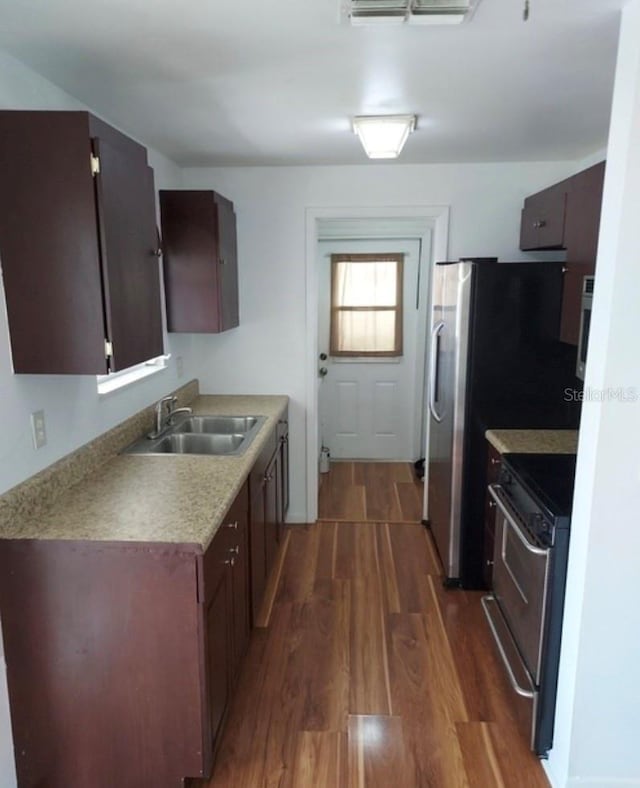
[
  {"x": 258, "y": 524},
  {"x": 200, "y": 261},
  {"x": 218, "y": 608},
  {"x": 189, "y": 241},
  {"x": 584, "y": 204},
  {"x": 284, "y": 465},
  {"x": 49, "y": 244},
  {"x": 543, "y": 219},
  {"x": 241, "y": 607},
  {"x": 130, "y": 265},
  {"x": 227, "y": 262},
  {"x": 257, "y": 546},
  {"x": 272, "y": 505},
  {"x": 236, "y": 525}
]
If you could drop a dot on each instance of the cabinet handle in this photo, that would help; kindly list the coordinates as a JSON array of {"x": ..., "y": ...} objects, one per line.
[
  {"x": 564, "y": 269},
  {"x": 542, "y": 223},
  {"x": 156, "y": 252},
  {"x": 268, "y": 477},
  {"x": 489, "y": 562},
  {"x": 492, "y": 504},
  {"x": 232, "y": 525},
  {"x": 230, "y": 561},
  {"x": 234, "y": 550},
  {"x": 495, "y": 461},
  {"x": 223, "y": 261}
]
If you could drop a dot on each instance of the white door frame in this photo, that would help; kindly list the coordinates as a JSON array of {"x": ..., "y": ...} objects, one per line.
[{"x": 437, "y": 218}]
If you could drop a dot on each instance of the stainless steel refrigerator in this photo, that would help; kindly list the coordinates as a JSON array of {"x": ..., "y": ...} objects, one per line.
[{"x": 495, "y": 362}]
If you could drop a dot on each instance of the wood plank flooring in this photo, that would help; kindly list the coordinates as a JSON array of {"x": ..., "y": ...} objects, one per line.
[
  {"x": 369, "y": 674},
  {"x": 370, "y": 492}
]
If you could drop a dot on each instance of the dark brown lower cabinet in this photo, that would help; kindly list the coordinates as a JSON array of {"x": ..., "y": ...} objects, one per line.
[
  {"x": 217, "y": 625},
  {"x": 122, "y": 657},
  {"x": 225, "y": 569},
  {"x": 258, "y": 527},
  {"x": 238, "y": 552},
  {"x": 269, "y": 495},
  {"x": 283, "y": 440},
  {"x": 273, "y": 510}
]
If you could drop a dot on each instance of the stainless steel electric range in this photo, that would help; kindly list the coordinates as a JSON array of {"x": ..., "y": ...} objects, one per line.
[{"x": 532, "y": 500}]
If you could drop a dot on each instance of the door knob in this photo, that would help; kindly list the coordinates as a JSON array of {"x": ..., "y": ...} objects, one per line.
[
  {"x": 322, "y": 371},
  {"x": 323, "y": 356}
]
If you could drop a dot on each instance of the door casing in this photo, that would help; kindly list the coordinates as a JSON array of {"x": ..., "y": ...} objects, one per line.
[{"x": 436, "y": 221}]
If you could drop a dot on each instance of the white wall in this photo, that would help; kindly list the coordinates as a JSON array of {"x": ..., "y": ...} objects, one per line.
[
  {"x": 74, "y": 413},
  {"x": 597, "y": 742},
  {"x": 267, "y": 352}
]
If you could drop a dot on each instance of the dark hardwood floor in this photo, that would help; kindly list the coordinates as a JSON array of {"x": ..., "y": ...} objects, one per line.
[
  {"x": 368, "y": 673},
  {"x": 370, "y": 492}
]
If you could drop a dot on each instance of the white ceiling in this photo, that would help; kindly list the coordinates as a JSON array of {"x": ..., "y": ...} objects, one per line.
[{"x": 276, "y": 81}]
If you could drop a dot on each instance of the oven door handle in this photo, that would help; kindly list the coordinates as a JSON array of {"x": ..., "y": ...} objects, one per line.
[
  {"x": 494, "y": 491},
  {"x": 525, "y": 693}
]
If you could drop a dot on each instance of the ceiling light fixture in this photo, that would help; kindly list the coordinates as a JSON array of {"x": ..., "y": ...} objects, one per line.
[
  {"x": 383, "y": 136},
  {"x": 414, "y": 12}
]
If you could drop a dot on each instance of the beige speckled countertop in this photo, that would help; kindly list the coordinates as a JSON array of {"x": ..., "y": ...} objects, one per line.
[
  {"x": 533, "y": 441},
  {"x": 142, "y": 498}
]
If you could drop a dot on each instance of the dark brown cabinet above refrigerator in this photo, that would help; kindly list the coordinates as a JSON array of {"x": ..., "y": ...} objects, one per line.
[
  {"x": 543, "y": 217},
  {"x": 567, "y": 216},
  {"x": 78, "y": 245},
  {"x": 200, "y": 261}
]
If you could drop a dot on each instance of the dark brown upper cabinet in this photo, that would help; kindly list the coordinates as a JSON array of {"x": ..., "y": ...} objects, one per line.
[
  {"x": 543, "y": 215},
  {"x": 200, "y": 261},
  {"x": 567, "y": 216},
  {"x": 78, "y": 245},
  {"x": 582, "y": 229}
]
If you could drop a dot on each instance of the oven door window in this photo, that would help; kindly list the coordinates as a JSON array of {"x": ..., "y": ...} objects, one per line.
[{"x": 520, "y": 583}]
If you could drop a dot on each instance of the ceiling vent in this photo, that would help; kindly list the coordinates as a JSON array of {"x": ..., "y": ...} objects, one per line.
[{"x": 413, "y": 12}]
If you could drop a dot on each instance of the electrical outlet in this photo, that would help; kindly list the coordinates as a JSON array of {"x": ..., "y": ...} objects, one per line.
[
  {"x": 38, "y": 429},
  {"x": 180, "y": 366}
]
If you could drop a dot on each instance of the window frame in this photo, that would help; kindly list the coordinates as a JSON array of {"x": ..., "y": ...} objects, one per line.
[{"x": 398, "y": 259}]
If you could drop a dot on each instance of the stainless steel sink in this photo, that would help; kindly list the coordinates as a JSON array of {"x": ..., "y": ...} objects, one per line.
[
  {"x": 217, "y": 425},
  {"x": 212, "y": 435},
  {"x": 185, "y": 443}
]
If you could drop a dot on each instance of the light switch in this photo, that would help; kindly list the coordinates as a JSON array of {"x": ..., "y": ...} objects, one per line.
[{"x": 38, "y": 429}]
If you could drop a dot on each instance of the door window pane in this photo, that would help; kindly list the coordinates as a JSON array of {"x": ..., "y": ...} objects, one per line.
[{"x": 366, "y": 305}]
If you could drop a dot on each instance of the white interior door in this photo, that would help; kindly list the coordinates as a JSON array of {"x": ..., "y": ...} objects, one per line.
[{"x": 370, "y": 407}]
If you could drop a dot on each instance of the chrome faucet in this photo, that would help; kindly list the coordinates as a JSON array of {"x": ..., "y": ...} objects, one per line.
[{"x": 164, "y": 421}]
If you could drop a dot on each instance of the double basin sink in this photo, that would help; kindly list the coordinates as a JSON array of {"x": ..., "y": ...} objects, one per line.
[{"x": 213, "y": 435}]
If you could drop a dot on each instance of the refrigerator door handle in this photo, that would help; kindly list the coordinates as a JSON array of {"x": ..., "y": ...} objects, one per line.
[{"x": 434, "y": 369}]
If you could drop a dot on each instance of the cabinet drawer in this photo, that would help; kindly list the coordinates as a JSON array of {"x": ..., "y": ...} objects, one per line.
[{"x": 222, "y": 549}]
